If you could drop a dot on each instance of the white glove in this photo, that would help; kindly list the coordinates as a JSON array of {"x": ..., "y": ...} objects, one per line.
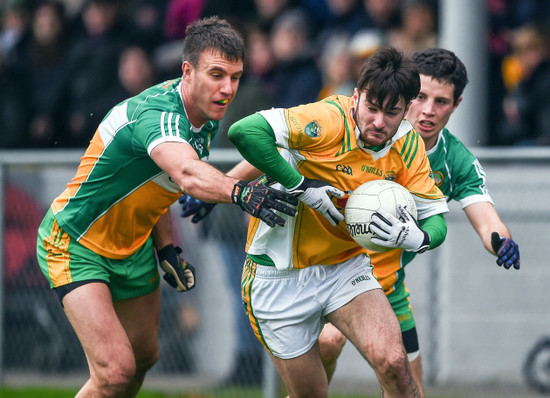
[
  {"x": 403, "y": 232},
  {"x": 315, "y": 194}
]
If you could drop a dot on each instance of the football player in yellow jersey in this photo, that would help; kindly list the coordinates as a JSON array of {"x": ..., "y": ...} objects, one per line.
[
  {"x": 311, "y": 271},
  {"x": 460, "y": 177}
]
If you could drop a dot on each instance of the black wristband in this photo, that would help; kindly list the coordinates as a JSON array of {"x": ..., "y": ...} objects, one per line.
[
  {"x": 237, "y": 190},
  {"x": 167, "y": 252}
]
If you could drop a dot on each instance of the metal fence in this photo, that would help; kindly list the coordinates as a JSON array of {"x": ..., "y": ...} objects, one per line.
[{"x": 476, "y": 322}]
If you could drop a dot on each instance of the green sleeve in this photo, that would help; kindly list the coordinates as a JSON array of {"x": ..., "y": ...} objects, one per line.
[
  {"x": 255, "y": 140},
  {"x": 436, "y": 227}
]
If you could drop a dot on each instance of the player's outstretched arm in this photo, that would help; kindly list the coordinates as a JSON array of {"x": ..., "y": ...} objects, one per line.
[
  {"x": 256, "y": 198},
  {"x": 202, "y": 181},
  {"x": 254, "y": 138},
  {"x": 259, "y": 200},
  {"x": 494, "y": 234}
]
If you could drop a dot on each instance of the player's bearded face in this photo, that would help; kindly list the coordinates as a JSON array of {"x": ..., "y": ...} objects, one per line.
[
  {"x": 377, "y": 123},
  {"x": 211, "y": 87}
]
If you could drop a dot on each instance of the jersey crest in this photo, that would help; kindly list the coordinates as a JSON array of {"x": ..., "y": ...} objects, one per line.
[{"x": 313, "y": 129}]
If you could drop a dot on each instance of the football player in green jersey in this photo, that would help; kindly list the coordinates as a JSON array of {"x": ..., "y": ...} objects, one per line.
[
  {"x": 460, "y": 177},
  {"x": 97, "y": 242}
]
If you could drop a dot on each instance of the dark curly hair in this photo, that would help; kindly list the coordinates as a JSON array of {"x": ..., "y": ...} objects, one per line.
[
  {"x": 443, "y": 66},
  {"x": 388, "y": 75}
]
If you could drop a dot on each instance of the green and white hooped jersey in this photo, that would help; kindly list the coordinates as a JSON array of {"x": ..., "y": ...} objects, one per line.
[
  {"x": 457, "y": 172},
  {"x": 119, "y": 193}
]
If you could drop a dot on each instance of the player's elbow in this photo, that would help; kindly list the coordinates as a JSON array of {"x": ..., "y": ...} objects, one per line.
[{"x": 236, "y": 133}]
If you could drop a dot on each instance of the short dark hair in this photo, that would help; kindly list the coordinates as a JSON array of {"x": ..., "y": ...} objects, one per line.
[
  {"x": 212, "y": 33},
  {"x": 387, "y": 75},
  {"x": 443, "y": 66}
]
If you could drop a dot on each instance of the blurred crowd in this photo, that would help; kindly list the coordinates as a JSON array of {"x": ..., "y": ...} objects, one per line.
[{"x": 64, "y": 64}]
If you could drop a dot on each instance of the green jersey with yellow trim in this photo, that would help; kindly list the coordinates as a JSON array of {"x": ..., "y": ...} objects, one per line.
[{"x": 119, "y": 192}]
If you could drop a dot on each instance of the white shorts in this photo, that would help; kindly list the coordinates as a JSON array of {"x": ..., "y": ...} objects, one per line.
[{"x": 287, "y": 308}]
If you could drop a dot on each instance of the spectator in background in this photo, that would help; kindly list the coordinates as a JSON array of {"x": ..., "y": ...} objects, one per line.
[
  {"x": 237, "y": 12},
  {"x": 14, "y": 40},
  {"x": 527, "y": 108},
  {"x": 336, "y": 65},
  {"x": 362, "y": 45},
  {"x": 260, "y": 60},
  {"x": 15, "y": 33},
  {"x": 382, "y": 14},
  {"x": 136, "y": 71},
  {"x": 418, "y": 29},
  {"x": 92, "y": 78},
  {"x": 267, "y": 11},
  {"x": 297, "y": 77},
  {"x": 146, "y": 22},
  {"x": 179, "y": 14},
  {"x": 345, "y": 17},
  {"x": 45, "y": 65}
]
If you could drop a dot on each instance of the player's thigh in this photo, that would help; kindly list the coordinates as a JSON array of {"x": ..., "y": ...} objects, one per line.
[
  {"x": 369, "y": 323},
  {"x": 90, "y": 311},
  {"x": 140, "y": 317},
  {"x": 331, "y": 342}
]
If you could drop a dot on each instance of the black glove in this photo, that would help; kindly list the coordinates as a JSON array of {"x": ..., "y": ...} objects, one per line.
[
  {"x": 403, "y": 232},
  {"x": 507, "y": 251},
  {"x": 315, "y": 194},
  {"x": 258, "y": 199},
  {"x": 195, "y": 207},
  {"x": 178, "y": 273}
]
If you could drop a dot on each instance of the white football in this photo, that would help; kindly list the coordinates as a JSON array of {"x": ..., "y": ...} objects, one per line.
[{"x": 366, "y": 199}]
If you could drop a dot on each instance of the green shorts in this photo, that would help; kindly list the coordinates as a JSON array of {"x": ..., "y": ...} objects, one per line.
[
  {"x": 399, "y": 300},
  {"x": 63, "y": 261}
]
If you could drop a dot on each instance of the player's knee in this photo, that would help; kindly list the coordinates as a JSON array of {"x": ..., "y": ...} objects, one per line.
[
  {"x": 390, "y": 363},
  {"x": 114, "y": 378},
  {"x": 331, "y": 345},
  {"x": 145, "y": 361}
]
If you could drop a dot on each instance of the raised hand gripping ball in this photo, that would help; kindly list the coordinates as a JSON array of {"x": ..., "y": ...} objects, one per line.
[{"x": 369, "y": 197}]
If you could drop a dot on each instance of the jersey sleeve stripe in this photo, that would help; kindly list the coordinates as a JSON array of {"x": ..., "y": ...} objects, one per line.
[
  {"x": 162, "y": 116},
  {"x": 169, "y": 124},
  {"x": 410, "y": 148},
  {"x": 346, "y": 142},
  {"x": 177, "y": 126}
]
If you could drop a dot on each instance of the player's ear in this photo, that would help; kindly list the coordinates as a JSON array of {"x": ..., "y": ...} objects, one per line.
[
  {"x": 355, "y": 96},
  {"x": 186, "y": 69},
  {"x": 407, "y": 109},
  {"x": 458, "y": 101}
]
